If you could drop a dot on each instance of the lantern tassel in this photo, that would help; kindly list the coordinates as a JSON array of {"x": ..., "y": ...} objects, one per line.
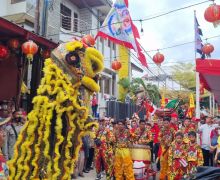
[
  {"x": 208, "y": 55},
  {"x": 30, "y": 57},
  {"x": 216, "y": 23},
  {"x": 24, "y": 88}
]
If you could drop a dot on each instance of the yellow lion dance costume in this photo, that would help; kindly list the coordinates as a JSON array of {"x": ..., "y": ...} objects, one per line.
[{"x": 48, "y": 145}]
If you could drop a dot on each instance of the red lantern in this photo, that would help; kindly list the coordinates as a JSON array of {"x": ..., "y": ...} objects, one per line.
[
  {"x": 14, "y": 43},
  {"x": 158, "y": 58},
  {"x": 4, "y": 52},
  {"x": 212, "y": 13},
  {"x": 46, "y": 53},
  {"x": 88, "y": 40},
  {"x": 29, "y": 48},
  {"x": 207, "y": 49},
  {"x": 116, "y": 65}
]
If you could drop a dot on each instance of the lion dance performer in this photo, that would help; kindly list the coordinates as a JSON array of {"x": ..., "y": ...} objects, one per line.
[
  {"x": 166, "y": 137},
  {"x": 177, "y": 158},
  {"x": 194, "y": 154},
  {"x": 49, "y": 144},
  {"x": 123, "y": 162},
  {"x": 104, "y": 151}
]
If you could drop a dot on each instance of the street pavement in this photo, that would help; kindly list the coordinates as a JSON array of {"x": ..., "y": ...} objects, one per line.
[
  {"x": 89, "y": 176},
  {"x": 92, "y": 175}
]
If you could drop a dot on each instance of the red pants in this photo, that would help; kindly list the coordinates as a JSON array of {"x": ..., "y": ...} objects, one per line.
[{"x": 106, "y": 157}]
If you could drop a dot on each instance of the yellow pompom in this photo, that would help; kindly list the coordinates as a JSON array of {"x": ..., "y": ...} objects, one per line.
[
  {"x": 71, "y": 46},
  {"x": 90, "y": 84}
]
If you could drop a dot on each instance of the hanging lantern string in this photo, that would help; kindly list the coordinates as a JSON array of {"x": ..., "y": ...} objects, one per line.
[
  {"x": 181, "y": 44},
  {"x": 175, "y": 10},
  {"x": 143, "y": 19}
]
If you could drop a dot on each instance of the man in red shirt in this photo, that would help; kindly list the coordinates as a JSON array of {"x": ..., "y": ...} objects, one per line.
[
  {"x": 94, "y": 105},
  {"x": 155, "y": 132}
]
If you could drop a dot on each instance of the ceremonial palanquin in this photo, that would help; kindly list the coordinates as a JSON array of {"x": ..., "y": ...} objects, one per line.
[{"x": 49, "y": 144}]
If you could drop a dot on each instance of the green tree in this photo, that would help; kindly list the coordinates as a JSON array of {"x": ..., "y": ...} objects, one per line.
[
  {"x": 137, "y": 85},
  {"x": 184, "y": 74}
]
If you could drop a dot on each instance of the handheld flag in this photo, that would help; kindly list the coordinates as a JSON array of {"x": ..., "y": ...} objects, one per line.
[
  {"x": 198, "y": 39},
  {"x": 119, "y": 28},
  {"x": 172, "y": 104},
  {"x": 163, "y": 103},
  {"x": 191, "y": 106}
]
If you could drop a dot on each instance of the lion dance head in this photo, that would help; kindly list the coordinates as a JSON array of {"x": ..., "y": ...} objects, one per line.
[{"x": 49, "y": 143}]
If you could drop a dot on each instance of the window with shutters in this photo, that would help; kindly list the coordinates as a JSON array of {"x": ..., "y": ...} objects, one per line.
[
  {"x": 75, "y": 22},
  {"x": 65, "y": 17}
]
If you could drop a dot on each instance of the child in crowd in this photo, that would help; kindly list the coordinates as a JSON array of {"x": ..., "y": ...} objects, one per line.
[
  {"x": 177, "y": 158},
  {"x": 194, "y": 154}
]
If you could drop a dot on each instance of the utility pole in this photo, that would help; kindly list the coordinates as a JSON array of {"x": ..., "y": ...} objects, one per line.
[
  {"x": 37, "y": 17},
  {"x": 44, "y": 21}
]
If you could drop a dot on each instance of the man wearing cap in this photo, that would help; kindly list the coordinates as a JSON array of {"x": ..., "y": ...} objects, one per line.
[{"x": 166, "y": 137}]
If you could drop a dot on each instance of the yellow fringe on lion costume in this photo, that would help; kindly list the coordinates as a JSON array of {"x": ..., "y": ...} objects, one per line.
[{"x": 48, "y": 145}]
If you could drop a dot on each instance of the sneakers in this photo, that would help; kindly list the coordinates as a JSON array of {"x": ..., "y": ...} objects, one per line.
[
  {"x": 81, "y": 175},
  {"x": 85, "y": 171},
  {"x": 98, "y": 177}
]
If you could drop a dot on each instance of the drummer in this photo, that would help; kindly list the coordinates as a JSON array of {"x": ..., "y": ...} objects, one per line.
[{"x": 142, "y": 135}]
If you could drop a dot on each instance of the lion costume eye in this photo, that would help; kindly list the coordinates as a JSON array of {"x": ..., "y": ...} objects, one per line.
[{"x": 73, "y": 59}]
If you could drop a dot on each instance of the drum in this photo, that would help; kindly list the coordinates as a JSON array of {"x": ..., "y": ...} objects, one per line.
[{"x": 140, "y": 153}]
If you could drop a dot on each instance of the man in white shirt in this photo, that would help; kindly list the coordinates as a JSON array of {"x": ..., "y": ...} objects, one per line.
[{"x": 205, "y": 131}]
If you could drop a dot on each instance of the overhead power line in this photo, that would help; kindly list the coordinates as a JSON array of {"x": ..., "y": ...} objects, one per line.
[
  {"x": 181, "y": 44},
  {"x": 172, "y": 11},
  {"x": 150, "y": 18}
]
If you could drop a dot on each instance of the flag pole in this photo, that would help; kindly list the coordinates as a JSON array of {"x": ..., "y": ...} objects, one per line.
[
  {"x": 197, "y": 77},
  {"x": 213, "y": 104}
]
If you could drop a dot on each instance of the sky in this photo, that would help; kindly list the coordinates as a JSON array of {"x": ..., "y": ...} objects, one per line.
[{"x": 172, "y": 29}]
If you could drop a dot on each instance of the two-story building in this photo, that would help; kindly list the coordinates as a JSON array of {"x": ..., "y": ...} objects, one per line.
[{"x": 63, "y": 20}]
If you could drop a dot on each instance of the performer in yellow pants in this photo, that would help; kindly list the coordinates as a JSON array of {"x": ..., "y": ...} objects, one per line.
[
  {"x": 166, "y": 136},
  {"x": 164, "y": 163},
  {"x": 123, "y": 163}
]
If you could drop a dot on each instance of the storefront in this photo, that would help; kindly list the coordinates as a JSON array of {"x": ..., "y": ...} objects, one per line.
[{"x": 16, "y": 67}]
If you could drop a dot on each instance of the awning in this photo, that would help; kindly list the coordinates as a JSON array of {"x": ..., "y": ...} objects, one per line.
[
  {"x": 209, "y": 72},
  {"x": 11, "y": 30},
  {"x": 10, "y": 71}
]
